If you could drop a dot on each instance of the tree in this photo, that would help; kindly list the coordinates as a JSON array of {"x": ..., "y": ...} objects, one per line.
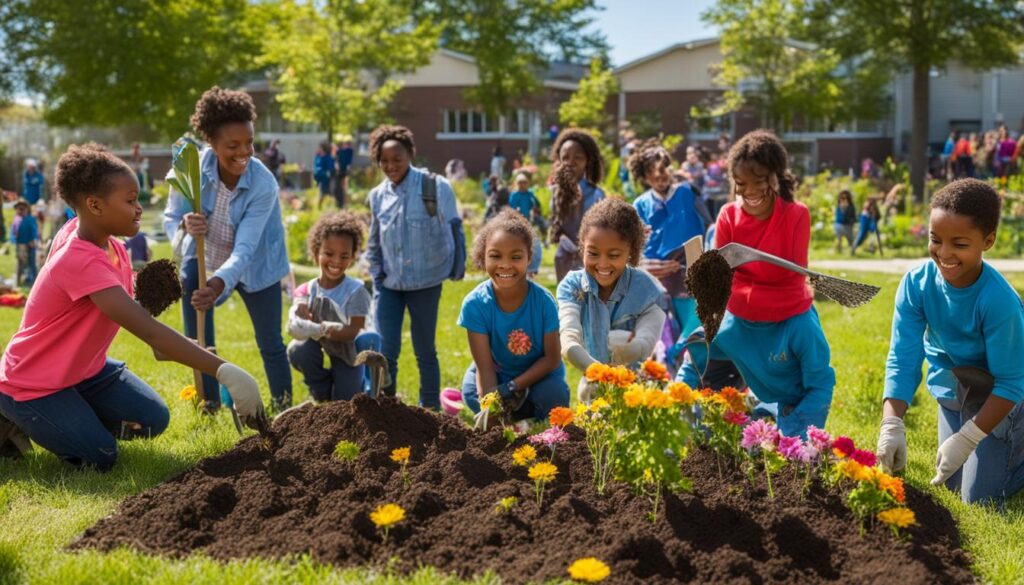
[
  {"x": 920, "y": 35},
  {"x": 587, "y": 106},
  {"x": 334, "y": 59},
  {"x": 514, "y": 42},
  {"x": 117, "y": 62}
]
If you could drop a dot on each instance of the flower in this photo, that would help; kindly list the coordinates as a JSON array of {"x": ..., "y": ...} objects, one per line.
[
  {"x": 736, "y": 418},
  {"x": 808, "y": 452},
  {"x": 560, "y": 416},
  {"x": 617, "y": 375},
  {"x": 654, "y": 370},
  {"x": 387, "y": 515},
  {"x": 843, "y": 447},
  {"x": 819, "y": 438},
  {"x": 865, "y": 458},
  {"x": 401, "y": 455},
  {"x": 893, "y": 485},
  {"x": 853, "y": 470},
  {"x": 598, "y": 404},
  {"x": 524, "y": 455},
  {"x": 549, "y": 436},
  {"x": 488, "y": 400},
  {"x": 734, "y": 399},
  {"x": 506, "y": 504},
  {"x": 188, "y": 393},
  {"x": 789, "y": 447},
  {"x": 898, "y": 517},
  {"x": 595, "y": 372},
  {"x": 543, "y": 471},
  {"x": 588, "y": 569},
  {"x": 682, "y": 393},
  {"x": 519, "y": 342},
  {"x": 633, "y": 397},
  {"x": 654, "y": 398},
  {"x": 761, "y": 434}
]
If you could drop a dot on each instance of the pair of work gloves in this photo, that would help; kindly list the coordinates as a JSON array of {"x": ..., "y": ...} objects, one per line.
[
  {"x": 313, "y": 330},
  {"x": 623, "y": 348},
  {"x": 512, "y": 399},
  {"x": 952, "y": 454}
]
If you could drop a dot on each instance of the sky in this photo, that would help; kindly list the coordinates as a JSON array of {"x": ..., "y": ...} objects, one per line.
[{"x": 635, "y": 28}]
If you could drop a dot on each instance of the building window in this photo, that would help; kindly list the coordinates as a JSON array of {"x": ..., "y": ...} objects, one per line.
[{"x": 469, "y": 122}]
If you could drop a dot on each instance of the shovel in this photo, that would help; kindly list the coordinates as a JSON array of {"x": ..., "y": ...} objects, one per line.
[
  {"x": 378, "y": 364},
  {"x": 846, "y": 293},
  {"x": 975, "y": 386}
]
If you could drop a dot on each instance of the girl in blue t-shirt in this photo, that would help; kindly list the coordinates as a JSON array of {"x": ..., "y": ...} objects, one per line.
[{"x": 512, "y": 325}]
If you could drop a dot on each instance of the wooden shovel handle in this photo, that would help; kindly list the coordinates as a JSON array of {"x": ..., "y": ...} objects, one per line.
[{"x": 201, "y": 315}]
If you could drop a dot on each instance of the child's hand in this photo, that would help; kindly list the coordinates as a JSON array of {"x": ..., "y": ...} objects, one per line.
[
  {"x": 892, "y": 444},
  {"x": 302, "y": 312}
]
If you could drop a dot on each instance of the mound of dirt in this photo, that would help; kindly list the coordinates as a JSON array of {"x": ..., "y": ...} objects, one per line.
[{"x": 287, "y": 495}]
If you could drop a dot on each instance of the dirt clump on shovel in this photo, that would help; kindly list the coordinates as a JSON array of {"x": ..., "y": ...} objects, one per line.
[
  {"x": 157, "y": 286},
  {"x": 710, "y": 282}
]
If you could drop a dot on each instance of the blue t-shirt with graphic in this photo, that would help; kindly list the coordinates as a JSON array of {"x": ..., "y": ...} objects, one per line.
[{"x": 517, "y": 338}]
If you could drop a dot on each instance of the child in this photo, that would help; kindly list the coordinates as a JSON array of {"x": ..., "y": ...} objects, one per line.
[
  {"x": 323, "y": 171},
  {"x": 576, "y": 150},
  {"x": 609, "y": 311},
  {"x": 771, "y": 330},
  {"x": 674, "y": 213},
  {"x": 869, "y": 217},
  {"x": 26, "y": 238},
  {"x": 512, "y": 324},
  {"x": 329, "y": 313},
  {"x": 958, "y": 312},
  {"x": 693, "y": 168},
  {"x": 56, "y": 382},
  {"x": 525, "y": 202},
  {"x": 846, "y": 215}
]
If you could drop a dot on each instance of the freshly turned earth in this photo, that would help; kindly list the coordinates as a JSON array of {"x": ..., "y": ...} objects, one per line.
[{"x": 288, "y": 495}]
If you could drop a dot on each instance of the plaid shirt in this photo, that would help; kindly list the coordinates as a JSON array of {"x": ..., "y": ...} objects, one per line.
[{"x": 220, "y": 234}]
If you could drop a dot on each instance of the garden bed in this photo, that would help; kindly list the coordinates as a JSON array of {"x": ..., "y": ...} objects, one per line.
[{"x": 289, "y": 495}]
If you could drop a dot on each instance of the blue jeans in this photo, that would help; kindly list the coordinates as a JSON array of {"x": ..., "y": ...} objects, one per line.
[
  {"x": 995, "y": 471},
  {"x": 549, "y": 392},
  {"x": 27, "y": 270},
  {"x": 82, "y": 424},
  {"x": 264, "y": 307},
  {"x": 390, "y": 313},
  {"x": 341, "y": 381}
]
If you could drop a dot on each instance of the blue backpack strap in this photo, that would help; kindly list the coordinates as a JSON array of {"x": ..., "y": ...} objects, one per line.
[{"x": 429, "y": 194}]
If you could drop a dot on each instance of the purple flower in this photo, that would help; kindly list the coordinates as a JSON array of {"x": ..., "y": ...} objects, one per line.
[
  {"x": 760, "y": 434},
  {"x": 819, "y": 438},
  {"x": 550, "y": 436},
  {"x": 789, "y": 447}
]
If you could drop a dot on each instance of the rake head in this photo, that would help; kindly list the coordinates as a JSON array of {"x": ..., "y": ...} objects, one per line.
[{"x": 846, "y": 293}]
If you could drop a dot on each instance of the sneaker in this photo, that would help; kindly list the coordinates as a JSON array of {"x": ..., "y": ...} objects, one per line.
[
  {"x": 279, "y": 405},
  {"x": 14, "y": 443}
]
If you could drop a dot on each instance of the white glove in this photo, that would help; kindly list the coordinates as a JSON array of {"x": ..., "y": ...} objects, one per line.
[
  {"x": 245, "y": 394},
  {"x": 955, "y": 450},
  {"x": 892, "y": 444},
  {"x": 307, "y": 329},
  {"x": 327, "y": 326},
  {"x": 622, "y": 349},
  {"x": 585, "y": 390}
]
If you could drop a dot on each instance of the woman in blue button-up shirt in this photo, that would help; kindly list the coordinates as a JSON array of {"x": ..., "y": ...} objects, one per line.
[
  {"x": 245, "y": 244},
  {"x": 577, "y": 152},
  {"x": 411, "y": 253}
]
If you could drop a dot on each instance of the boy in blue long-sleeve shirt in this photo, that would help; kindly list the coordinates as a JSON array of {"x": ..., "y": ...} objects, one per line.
[
  {"x": 26, "y": 238},
  {"x": 957, "y": 312}
]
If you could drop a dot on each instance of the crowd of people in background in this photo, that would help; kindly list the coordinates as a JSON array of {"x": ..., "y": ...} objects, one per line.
[{"x": 995, "y": 153}]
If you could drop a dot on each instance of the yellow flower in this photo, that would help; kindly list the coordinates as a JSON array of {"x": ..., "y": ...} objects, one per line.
[
  {"x": 387, "y": 515},
  {"x": 633, "y": 397},
  {"x": 188, "y": 393},
  {"x": 524, "y": 455},
  {"x": 898, "y": 517},
  {"x": 682, "y": 393},
  {"x": 401, "y": 455},
  {"x": 598, "y": 404},
  {"x": 854, "y": 470},
  {"x": 589, "y": 570},
  {"x": 543, "y": 471},
  {"x": 596, "y": 372},
  {"x": 654, "y": 398},
  {"x": 581, "y": 409},
  {"x": 488, "y": 400}
]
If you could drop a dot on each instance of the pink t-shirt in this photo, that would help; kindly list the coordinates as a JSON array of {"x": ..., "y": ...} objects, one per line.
[{"x": 63, "y": 338}]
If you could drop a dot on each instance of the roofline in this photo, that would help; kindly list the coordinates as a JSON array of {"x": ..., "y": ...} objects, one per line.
[
  {"x": 457, "y": 55},
  {"x": 560, "y": 84},
  {"x": 689, "y": 45}
]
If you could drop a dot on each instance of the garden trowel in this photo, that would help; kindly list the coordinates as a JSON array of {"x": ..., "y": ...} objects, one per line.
[{"x": 378, "y": 365}]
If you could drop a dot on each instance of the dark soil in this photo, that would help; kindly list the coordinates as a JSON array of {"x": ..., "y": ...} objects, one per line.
[
  {"x": 287, "y": 495},
  {"x": 710, "y": 283},
  {"x": 157, "y": 286}
]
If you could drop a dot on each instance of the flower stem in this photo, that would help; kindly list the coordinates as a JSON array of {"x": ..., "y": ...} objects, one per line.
[{"x": 767, "y": 475}]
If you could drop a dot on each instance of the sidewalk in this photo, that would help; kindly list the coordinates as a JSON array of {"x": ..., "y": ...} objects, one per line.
[{"x": 902, "y": 265}]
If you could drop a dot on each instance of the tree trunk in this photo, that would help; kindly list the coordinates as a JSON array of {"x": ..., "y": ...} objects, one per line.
[{"x": 918, "y": 157}]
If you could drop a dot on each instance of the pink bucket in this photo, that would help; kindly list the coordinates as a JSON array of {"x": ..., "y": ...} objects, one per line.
[{"x": 451, "y": 401}]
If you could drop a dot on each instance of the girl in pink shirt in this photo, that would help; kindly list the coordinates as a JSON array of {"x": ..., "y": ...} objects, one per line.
[{"x": 57, "y": 384}]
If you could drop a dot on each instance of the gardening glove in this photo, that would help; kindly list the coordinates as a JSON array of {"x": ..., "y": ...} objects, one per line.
[
  {"x": 624, "y": 347},
  {"x": 585, "y": 390},
  {"x": 327, "y": 326},
  {"x": 512, "y": 399},
  {"x": 307, "y": 329},
  {"x": 245, "y": 396},
  {"x": 892, "y": 444},
  {"x": 955, "y": 450}
]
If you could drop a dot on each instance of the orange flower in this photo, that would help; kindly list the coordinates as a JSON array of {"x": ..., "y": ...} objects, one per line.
[
  {"x": 705, "y": 393},
  {"x": 893, "y": 485},
  {"x": 596, "y": 372},
  {"x": 560, "y": 416},
  {"x": 623, "y": 376},
  {"x": 682, "y": 394},
  {"x": 655, "y": 370},
  {"x": 654, "y": 398},
  {"x": 734, "y": 399},
  {"x": 633, "y": 397},
  {"x": 606, "y": 374}
]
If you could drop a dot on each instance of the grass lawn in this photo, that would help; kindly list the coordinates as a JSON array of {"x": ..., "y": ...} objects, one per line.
[{"x": 44, "y": 504}]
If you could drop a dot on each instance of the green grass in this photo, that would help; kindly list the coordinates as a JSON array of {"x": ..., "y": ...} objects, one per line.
[{"x": 44, "y": 504}]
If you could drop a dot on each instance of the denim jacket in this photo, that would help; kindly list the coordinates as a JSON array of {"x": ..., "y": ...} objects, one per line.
[
  {"x": 259, "y": 257},
  {"x": 407, "y": 248}
]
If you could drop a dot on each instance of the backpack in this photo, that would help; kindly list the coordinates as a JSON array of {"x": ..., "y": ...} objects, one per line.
[{"x": 429, "y": 195}]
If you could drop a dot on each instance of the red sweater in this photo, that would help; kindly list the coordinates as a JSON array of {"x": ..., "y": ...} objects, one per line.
[{"x": 761, "y": 291}]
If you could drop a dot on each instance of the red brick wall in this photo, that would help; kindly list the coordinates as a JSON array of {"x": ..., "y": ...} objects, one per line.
[
  {"x": 848, "y": 153},
  {"x": 674, "y": 107}
]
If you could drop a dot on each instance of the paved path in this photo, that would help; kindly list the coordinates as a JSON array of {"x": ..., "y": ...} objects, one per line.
[{"x": 902, "y": 265}]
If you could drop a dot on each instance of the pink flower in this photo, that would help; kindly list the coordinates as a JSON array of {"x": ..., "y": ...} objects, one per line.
[
  {"x": 819, "y": 438},
  {"x": 789, "y": 447},
  {"x": 735, "y": 417},
  {"x": 808, "y": 453},
  {"x": 550, "y": 436},
  {"x": 843, "y": 447},
  {"x": 865, "y": 458},
  {"x": 761, "y": 434},
  {"x": 519, "y": 342}
]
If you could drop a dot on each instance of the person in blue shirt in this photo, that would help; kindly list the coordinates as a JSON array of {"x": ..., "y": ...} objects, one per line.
[
  {"x": 26, "y": 239},
  {"x": 958, "y": 312},
  {"x": 673, "y": 213},
  {"x": 323, "y": 171},
  {"x": 32, "y": 184},
  {"x": 525, "y": 202},
  {"x": 845, "y": 217},
  {"x": 575, "y": 152},
  {"x": 241, "y": 223},
  {"x": 411, "y": 251},
  {"x": 512, "y": 324}
]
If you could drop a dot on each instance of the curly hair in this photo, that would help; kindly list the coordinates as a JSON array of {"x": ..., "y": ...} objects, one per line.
[
  {"x": 617, "y": 215},
  {"x": 218, "y": 107},
  {"x": 385, "y": 132},
  {"x": 595, "y": 164},
  {"x": 763, "y": 148},
  {"x": 86, "y": 170},
  {"x": 339, "y": 223},
  {"x": 972, "y": 198},
  {"x": 645, "y": 157},
  {"x": 566, "y": 199},
  {"x": 509, "y": 221}
]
